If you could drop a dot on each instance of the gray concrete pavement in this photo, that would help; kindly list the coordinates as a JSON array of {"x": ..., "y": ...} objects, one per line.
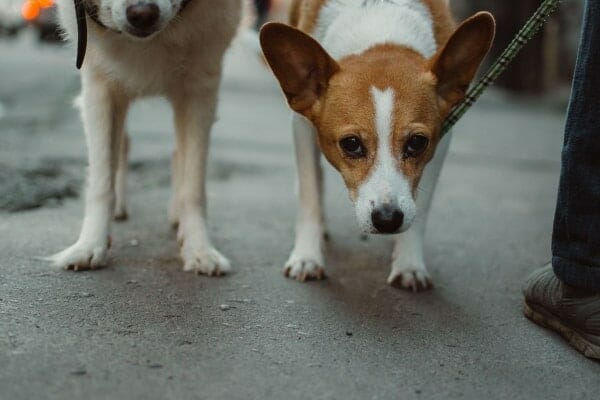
[{"x": 143, "y": 329}]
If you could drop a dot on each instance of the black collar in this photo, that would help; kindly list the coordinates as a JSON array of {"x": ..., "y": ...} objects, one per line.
[{"x": 83, "y": 8}]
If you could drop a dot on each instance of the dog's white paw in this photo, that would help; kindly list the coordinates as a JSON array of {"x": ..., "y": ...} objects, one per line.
[
  {"x": 82, "y": 256},
  {"x": 204, "y": 260},
  {"x": 410, "y": 275},
  {"x": 304, "y": 267}
]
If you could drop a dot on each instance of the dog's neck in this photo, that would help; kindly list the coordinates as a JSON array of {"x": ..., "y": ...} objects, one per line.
[
  {"x": 83, "y": 8},
  {"x": 347, "y": 27}
]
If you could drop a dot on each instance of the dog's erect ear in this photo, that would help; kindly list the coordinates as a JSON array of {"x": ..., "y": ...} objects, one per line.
[
  {"x": 301, "y": 65},
  {"x": 456, "y": 64},
  {"x": 81, "y": 32}
]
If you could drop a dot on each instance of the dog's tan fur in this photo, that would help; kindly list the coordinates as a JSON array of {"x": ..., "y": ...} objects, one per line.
[
  {"x": 182, "y": 61},
  {"x": 346, "y": 82},
  {"x": 337, "y": 97}
]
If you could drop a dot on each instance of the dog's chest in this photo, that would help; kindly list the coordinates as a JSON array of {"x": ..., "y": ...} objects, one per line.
[
  {"x": 153, "y": 68},
  {"x": 346, "y": 27},
  {"x": 176, "y": 61}
]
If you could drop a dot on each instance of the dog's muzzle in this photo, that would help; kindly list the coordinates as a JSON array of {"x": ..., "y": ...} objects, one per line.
[
  {"x": 387, "y": 219},
  {"x": 142, "y": 18}
]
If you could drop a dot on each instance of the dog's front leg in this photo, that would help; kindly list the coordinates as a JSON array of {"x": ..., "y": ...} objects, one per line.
[
  {"x": 194, "y": 117},
  {"x": 408, "y": 263},
  {"x": 306, "y": 260},
  {"x": 103, "y": 113},
  {"x": 121, "y": 179}
]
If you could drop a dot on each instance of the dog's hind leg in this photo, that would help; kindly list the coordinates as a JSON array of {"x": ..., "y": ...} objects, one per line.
[
  {"x": 121, "y": 179},
  {"x": 408, "y": 262},
  {"x": 194, "y": 116},
  {"x": 103, "y": 113},
  {"x": 176, "y": 177},
  {"x": 306, "y": 260}
]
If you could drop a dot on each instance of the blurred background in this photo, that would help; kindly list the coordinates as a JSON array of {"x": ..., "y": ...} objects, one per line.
[
  {"x": 551, "y": 54},
  {"x": 37, "y": 15},
  {"x": 546, "y": 64}
]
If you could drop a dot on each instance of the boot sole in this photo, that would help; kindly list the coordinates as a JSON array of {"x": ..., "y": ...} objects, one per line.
[{"x": 576, "y": 339}]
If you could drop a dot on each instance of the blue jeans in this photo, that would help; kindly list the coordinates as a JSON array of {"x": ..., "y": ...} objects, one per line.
[{"x": 576, "y": 237}]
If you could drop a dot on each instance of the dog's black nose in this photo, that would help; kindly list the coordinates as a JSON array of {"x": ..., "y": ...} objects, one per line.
[
  {"x": 387, "y": 219},
  {"x": 142, "y": 15}
]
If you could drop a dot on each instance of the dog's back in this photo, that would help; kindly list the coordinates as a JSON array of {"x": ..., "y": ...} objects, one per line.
[{"x": 304, "y": 15}]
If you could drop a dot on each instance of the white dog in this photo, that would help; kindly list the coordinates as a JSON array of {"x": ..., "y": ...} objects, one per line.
[{"x": 135, "y": 48}]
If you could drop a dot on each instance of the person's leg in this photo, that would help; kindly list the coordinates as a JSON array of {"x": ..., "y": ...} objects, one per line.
[
  {"x": 565, "y": 295},
  {"x": 576, "y": 238}
]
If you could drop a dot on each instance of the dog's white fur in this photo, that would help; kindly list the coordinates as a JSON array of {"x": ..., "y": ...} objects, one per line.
[
  {"x": 113, "y": 13},
  {"x": 181, "y": 61},
  {"x": 344, "y": 28},
  {"x": 307, "y": 257},
  {"x": 385, "y": 184}
]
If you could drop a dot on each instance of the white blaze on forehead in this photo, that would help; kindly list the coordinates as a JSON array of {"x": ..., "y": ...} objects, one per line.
[
  {"x": 384, "y": 111},
  {"x": 385, "y": 184},
  {"x": 384, "y": 173},
  {"x": 384, "y": 119}
]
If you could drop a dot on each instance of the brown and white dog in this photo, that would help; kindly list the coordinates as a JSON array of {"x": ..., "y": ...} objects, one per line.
[
  {"x": 136, "y": 48},
  {"x": 371, "y": 82}
]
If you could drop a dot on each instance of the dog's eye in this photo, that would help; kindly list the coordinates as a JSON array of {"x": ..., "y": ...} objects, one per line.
[
  {"x": 353, "y": 147},
  {"x": 415, "y": 145}
]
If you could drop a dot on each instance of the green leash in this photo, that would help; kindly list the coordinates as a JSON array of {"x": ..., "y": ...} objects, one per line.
[{"x": 533, "y": 25}]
